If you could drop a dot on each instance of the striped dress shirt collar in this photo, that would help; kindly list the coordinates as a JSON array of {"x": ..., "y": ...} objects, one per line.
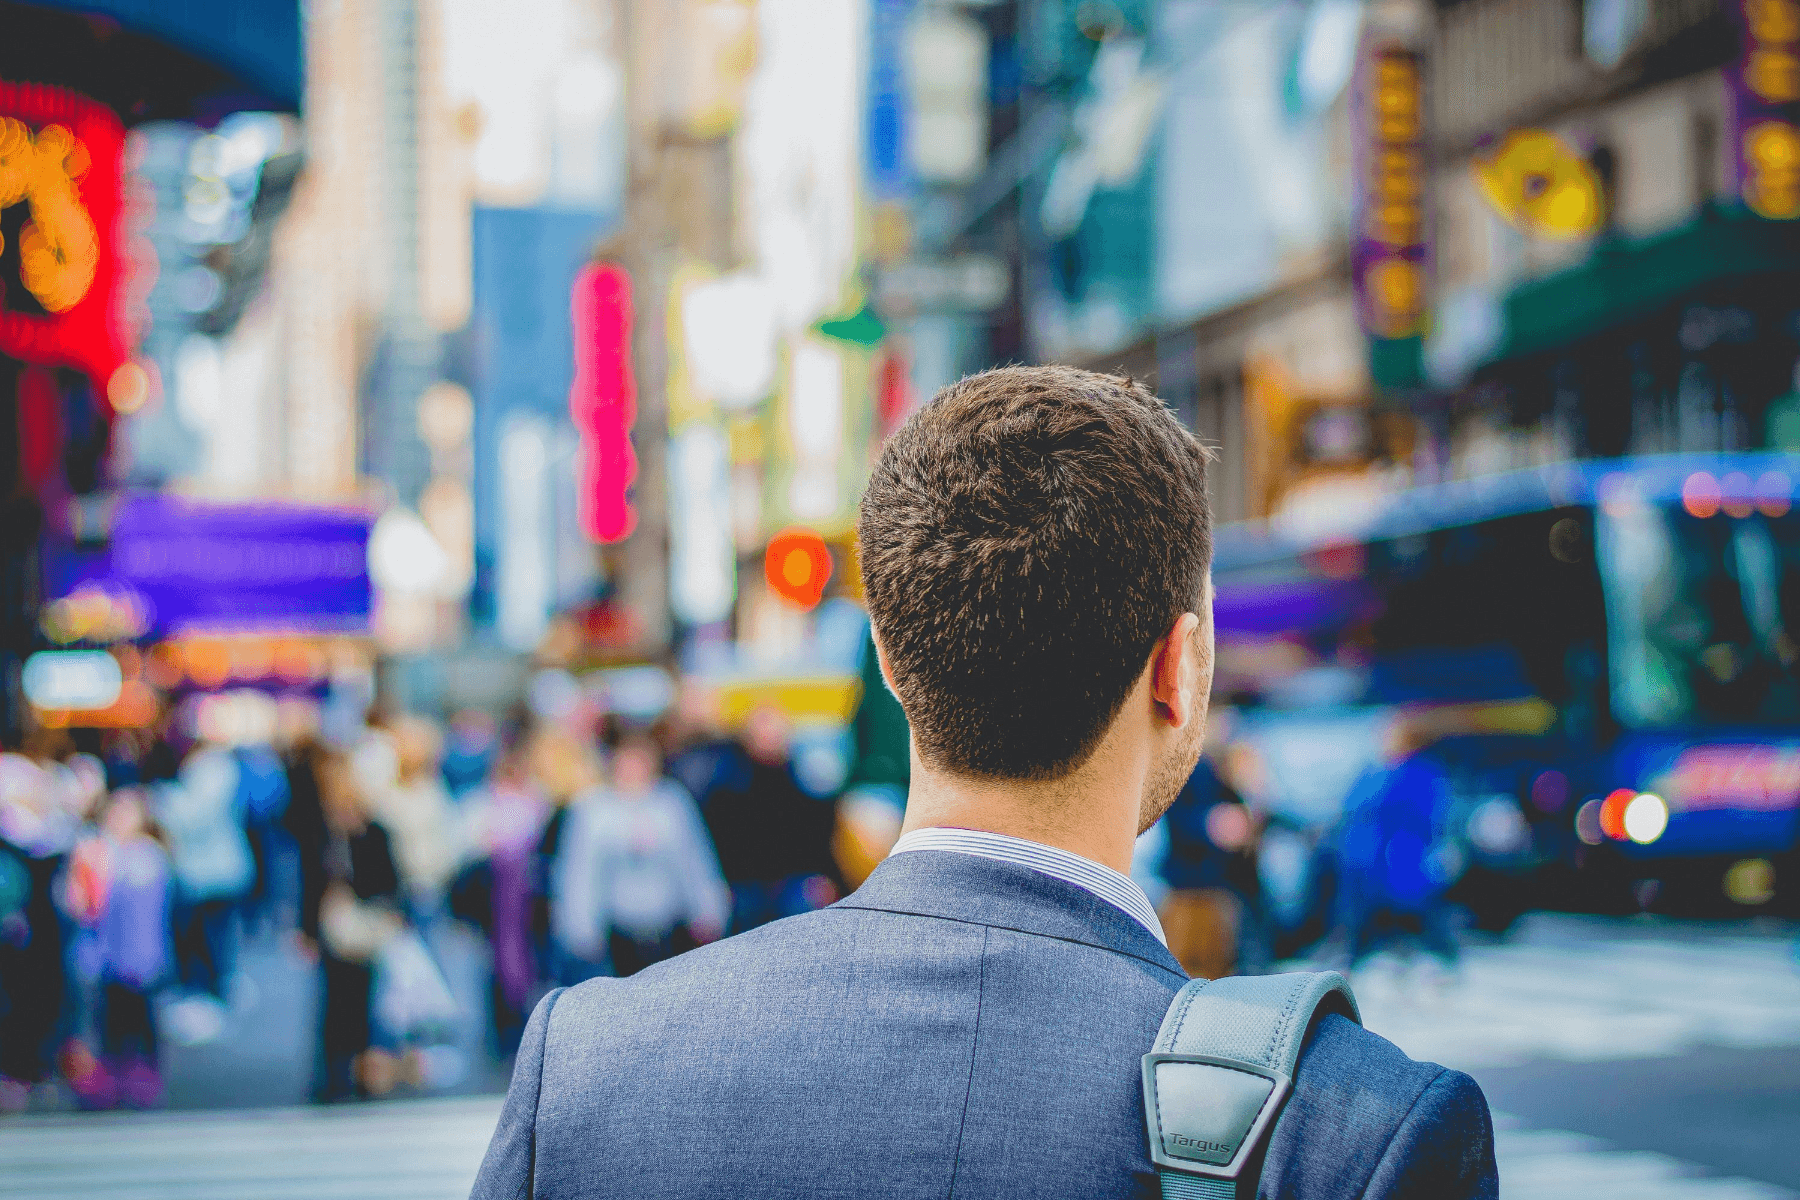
[{"x": 1120, "y": 891}]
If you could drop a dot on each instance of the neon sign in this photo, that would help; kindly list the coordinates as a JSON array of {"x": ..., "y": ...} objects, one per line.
[
  {"x": 59, "y": 249},
  {"x": 1391, "y": 250},
  {"x": 1764, "y": 89},
  {"x": 60, "y": 155},
  {"x": 603, "y": 400},
  {"x": 1759, "y": 778}
]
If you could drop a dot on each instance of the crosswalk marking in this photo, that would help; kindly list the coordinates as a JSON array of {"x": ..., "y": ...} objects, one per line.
[
  {"x": 414, "y": 1150},
  {"x": 1549, "y": 1164},
  {"x": 1573, "y": 989}
]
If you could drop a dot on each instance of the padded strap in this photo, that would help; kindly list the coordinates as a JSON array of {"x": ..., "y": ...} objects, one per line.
[
  {"x": 1260, "y": 1019},
  {"x": 1220, "y": 1070}
]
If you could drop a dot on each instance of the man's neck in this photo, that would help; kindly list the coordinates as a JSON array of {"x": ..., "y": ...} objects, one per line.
[{"x": 1093, "y": 811}]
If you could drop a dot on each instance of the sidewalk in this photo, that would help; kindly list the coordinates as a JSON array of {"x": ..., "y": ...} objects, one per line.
[{"x": 403, "y": 1150}]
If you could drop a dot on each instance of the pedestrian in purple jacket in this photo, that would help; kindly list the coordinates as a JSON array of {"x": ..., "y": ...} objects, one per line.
[{"x": 126, "y": 895}]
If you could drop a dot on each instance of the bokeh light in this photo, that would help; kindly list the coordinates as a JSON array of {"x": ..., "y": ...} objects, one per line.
[
  {"x": 1550, "y": 792},
  {"x": 1701, "y": 495},
  {"x": 1735, "y": 495},
  {"x": 1750, "y": 881},
  {"x": 797, "y": 566},
  {"x": 1228, "y": 826},
  {"x": 129, "y": 388},
  {"x": 1612, "y": 813},
  {"x": 1587, "y": 823},
  {"x": 1646, "y": 817}
]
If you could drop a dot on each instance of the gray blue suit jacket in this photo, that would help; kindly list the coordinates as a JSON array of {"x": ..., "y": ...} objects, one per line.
[{"x": 957, "y": 1027}]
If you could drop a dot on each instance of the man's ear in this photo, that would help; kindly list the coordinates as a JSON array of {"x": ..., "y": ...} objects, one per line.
[
  {"x": 1175, "y": 672},
  {"x": 881, "y": 660}
]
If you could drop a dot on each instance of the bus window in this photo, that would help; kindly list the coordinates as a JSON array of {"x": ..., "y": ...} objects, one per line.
[
  {"x": 1703, "y": 615},
  {"x": 1486, "y": 611}
]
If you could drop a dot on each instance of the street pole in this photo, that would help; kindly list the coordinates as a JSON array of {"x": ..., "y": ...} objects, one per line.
[
  {"x": 644, "y": 561},
  {"x": 678, "y": 208}
]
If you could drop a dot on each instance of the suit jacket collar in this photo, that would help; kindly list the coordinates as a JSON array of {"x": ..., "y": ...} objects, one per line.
[{"x": 983, "y": 891}]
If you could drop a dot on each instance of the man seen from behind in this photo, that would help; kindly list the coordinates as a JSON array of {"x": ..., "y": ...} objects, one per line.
[{"x": 1036, "y": 552}]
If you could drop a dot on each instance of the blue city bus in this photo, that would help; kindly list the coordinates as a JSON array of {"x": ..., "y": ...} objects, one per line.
[{"x": 1603, "y": 656}]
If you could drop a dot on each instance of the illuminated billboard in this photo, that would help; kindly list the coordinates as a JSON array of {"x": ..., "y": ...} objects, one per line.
[
  {"x": 62, "y": 268},
  {"x": 1391, "y": 254}
]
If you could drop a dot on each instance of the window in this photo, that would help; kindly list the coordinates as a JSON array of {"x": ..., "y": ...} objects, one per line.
[
  {"x": 1705, "y": 158},
  {"x": 1605, "y": 162}
]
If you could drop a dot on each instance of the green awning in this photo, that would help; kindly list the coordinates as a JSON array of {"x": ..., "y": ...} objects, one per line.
[{"x": 1626, "y": 280}]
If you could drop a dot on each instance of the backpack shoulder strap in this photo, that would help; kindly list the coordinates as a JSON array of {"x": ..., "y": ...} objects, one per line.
[{"x": 1220, "y": 1071}]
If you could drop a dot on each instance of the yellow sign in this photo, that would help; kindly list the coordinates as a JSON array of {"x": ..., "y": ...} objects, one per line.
[
  {"x": 1772, "y": 170},
  {"x": 1397, "y": 168},
  {"x": 807, "y": 700},
  {"x": 1766, "y": 83},
  {"x": 59, "y": 248},
  {"x": 1772, "y": 70},
  {"x": 1391, "y": 252},
  {"x": 1540, "y": 184}
]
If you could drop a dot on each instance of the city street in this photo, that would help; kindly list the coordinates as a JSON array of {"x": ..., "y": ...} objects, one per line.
[
  {"x": 499, "y": 493},
  {"x": 1641, "y": 1060},
  {"x": 411, "y": 1150},
  {"x": 1628, "y": 1060},
  {"x": 264, "y": 1055}
]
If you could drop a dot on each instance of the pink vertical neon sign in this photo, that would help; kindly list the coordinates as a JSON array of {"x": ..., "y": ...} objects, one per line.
[{"x": 603, "y": 400}]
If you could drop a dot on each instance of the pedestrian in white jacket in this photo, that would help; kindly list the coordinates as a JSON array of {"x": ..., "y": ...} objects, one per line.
[{"x": 636, "y": 879}]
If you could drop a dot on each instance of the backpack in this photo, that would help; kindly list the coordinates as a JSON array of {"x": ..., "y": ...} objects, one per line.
[{"x": 1220, "y": 1071}]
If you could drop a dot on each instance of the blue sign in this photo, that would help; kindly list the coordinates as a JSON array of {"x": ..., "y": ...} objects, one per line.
[
  {"x": 889, "y": 164},
  {"x": 192, "y": 566}
]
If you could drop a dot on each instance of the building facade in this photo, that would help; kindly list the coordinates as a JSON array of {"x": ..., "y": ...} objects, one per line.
[{"x": 1650, "y": 313}]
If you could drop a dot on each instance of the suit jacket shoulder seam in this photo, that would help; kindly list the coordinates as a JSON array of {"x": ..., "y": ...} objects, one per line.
[
  {"x": 529, "y": 1184},
  {"x": 974, "y": 1055},
  {"x": 900, "y": 912}
]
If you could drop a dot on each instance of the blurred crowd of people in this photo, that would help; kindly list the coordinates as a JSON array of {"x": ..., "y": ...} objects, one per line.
[
  {"x": 127, "y": 870},
  {"x": 1378, "y": 878},
  {"x": 135, "y": 865}
]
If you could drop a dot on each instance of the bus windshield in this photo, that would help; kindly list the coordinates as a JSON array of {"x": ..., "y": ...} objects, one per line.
[{"x": 1702, "y": 612}]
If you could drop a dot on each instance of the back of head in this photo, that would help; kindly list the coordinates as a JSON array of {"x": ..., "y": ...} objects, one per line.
[{"x": 1026, "y": 538}]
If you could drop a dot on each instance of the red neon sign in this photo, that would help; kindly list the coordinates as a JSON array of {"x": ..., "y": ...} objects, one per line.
[
  {"x": 61, "y": 153},
  {"x": 1758, "y": 778},
  {"x": 603, "y": 400}
]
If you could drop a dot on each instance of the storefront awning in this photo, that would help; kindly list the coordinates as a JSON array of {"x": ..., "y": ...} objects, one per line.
[
  {"x": 152, "y": 59},
  {"x": 1627, "y": 280}
]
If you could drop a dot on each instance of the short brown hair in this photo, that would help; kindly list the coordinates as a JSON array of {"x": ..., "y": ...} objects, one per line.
[{"x": 1026, "y": 537}]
